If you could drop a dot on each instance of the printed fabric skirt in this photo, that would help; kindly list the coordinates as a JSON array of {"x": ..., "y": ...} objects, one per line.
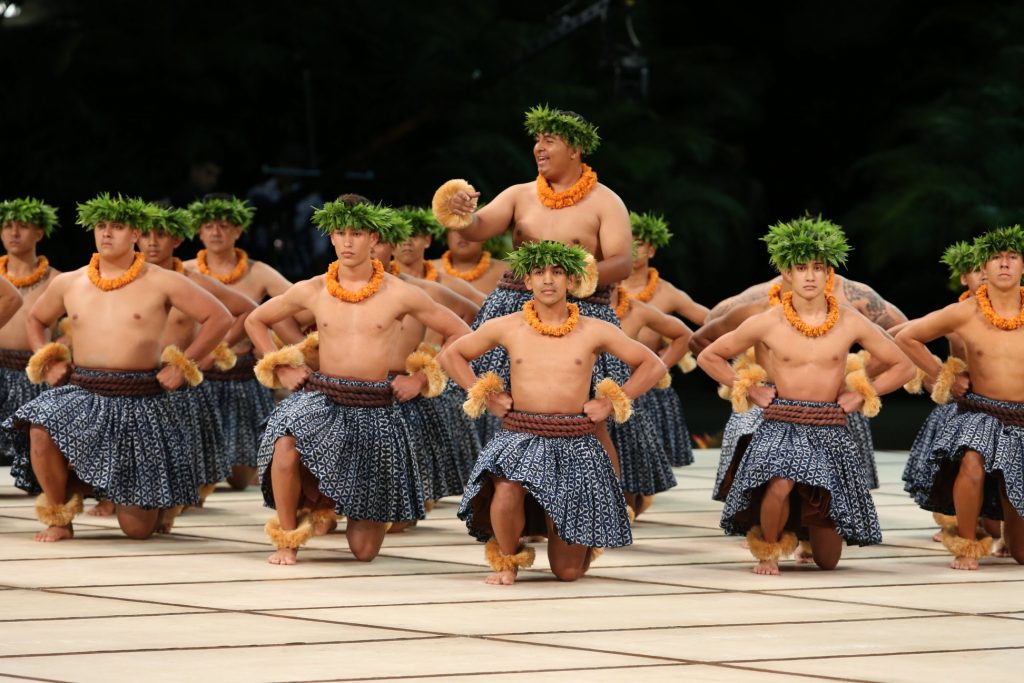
[
  {"x": 15, "y": 391},
  {"x": 244, "y": 405}
]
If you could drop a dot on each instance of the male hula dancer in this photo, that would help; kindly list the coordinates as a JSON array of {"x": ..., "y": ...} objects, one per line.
[
  {"x": 645, "y": 285},
  {"x": 165, "y": 231},
  {"x": 220, "y": 221},
  {"x": 801, "y": 471},
  {"x": 25, "y": 222},
  {"x": 341, "y": 446},
  {"x": 409, "y": 255},
  {"x": 976, "y": 462},
  {"x": 113, "y": 430},
  {"x": 566, "y": 204},
  {"x": 758, "y": 299},
  {"x": 544, "y": 472},
  {"x": 472, "y": 262},
  {"x": 647, "y": 467}
]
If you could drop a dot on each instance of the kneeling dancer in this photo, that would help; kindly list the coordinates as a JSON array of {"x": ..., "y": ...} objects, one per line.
[
  {"x": 544, "y": 472},
  {"x": 341, "y": 446},
  {"x": 113, "y": 432},
  {"x": 801, "y": 472}
]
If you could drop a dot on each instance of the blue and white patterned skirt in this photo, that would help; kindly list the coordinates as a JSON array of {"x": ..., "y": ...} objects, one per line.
[
  {"x": 131, "y": 450},
  {"x": 824, "y": 459},
  {"x": 668, "y": 413},
  {"x": 245, "y": 405},
  {"x": 917, "y": 471},
  {"x": 360, "y": 456},
  {"x": 738, "y": 430},
  {"x": 1001, "y": 446},
  {"x": 645, "y": 464},
  {"x": 860, "y": 429},
  {"x": 15, "y": 391},
  {"x": 570, "y": 479},
  {"x": 200, "y": 411},
  {"x": 443, "y": 461}
]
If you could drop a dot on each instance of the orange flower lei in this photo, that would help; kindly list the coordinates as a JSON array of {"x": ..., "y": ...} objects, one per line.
[
  {"x": 985, "y": 305},
  {"x": 803, "y": 328},
  {"x": 647, "y": 293},
  {"x": 177, "y": 264},
  {"x": 42, "y": 266},
  {"x": 964, "y": 296},
  {"x": 337, "y": 291},
  {"x": 547, "y": 330},
  {"x": 560, "y": 200},
  {"x": 775, "y": 291},
  {"x": 232, "y": 277},
  {"x": 624, "y": 304},
  {"x": 118, "y": 282},
  {"x": 429, "y": 271},
  {"x": 467, "y": 275}
]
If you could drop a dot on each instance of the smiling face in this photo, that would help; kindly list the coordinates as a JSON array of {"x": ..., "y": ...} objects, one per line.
[
  {"x": 807, "y": 280},
  {"x": 352, "y": 247},
  {"x": 1003, "y": 270},
  {"x": 548, "y": 284},
  {"x": 219, "y": 236},
  {"x": 158, "y": 245},
  {"x": 553, "y": 156},
  {"x": 20, "y": 238},
  {"x": 114, "y": 240}
]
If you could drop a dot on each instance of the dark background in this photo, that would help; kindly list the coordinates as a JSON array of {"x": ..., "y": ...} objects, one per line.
[{"x": 899, "y": 120}]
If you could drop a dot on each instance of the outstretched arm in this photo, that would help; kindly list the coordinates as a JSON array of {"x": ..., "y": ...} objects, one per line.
[{"x": 490, "y": 221}]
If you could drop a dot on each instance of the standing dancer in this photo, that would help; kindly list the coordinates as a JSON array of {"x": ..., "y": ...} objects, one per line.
[
  {"x": 801, "y": 473},
  {"x": 976, "y": 463},
  {"x": 112, "y": 431},
  {"x": 25, "y": 222},
  {"x": 220, "y": 221},
  {"x": 566, "y": 204},
  {"x": 544, "y": 472},
  {"x": 341, "y": 446}
]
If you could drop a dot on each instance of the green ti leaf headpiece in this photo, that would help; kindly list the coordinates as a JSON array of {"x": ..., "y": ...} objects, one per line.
[
  {"x": 130, "y": 211},
  {"x": 31, "y": 211},
  {"x": 233, "y": 210},
  {"x": 1010, "y": 238},
  {"x": 573, "y": 128},
  {"x": 176, "y": 222},
  {"x": 650, "y": 229},
  {"x": 532, "y": 255},
  {"x": 338, "y": 215},
  {"x": 806, "y": 239},
  {"x": 961, "y": 259},
  {"x": 423, "y": 222}
]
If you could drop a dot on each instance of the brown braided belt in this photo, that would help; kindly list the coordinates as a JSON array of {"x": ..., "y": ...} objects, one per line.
[
  {"x": 1008, "y": 416},
  {"x": 805, "y": 415},
  {"x": 241, "y": 372},
  {"x": 602, "y": 296},
  {"x": 134, "y": 386},
  {"x": 14, "y": 360},
  {"x": 548, "y": 425},
  {"x": 347, "y": 395}
]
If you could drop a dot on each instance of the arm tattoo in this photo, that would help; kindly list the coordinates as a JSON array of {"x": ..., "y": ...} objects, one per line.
[{"x": 867, "y": 300}]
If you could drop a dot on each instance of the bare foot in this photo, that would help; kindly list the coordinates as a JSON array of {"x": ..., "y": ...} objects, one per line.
[
  {"x": 968, "y": 563},
  {"x": 55, "y": 533},
  {"x": 937, "y": 537},
  {"x": 804, "y": 555},
  {"x": 767, "y": 568},
  {"x": 104, "y": 508},
  {"x": 284, "y": 556},
  {"x": 506, "y": 578},
  {"x": 1000, "y": 549},
  {"x": 325, "y": 526},
  {"x": 399, "y": 527}
]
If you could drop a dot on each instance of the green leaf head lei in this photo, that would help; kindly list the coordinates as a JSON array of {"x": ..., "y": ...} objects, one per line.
[
  {"x": 806, "y": 239},
  {"x": 31, "y": 211},
  {"x": 993, "y": 242},
  {"x": 571, "y": 127},
  {"x": 221, "y": 208},
  {"x": 339, "y": 215},
  {"x": 103, "y": 208},
  {"x": 650, "y": 228},
  {"x": 532, "y": 255}
]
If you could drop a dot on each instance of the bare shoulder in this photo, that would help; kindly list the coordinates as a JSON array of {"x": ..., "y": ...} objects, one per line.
[
  {"x": 607, "y": 197},
  {"x": 191, "y": 264},
  {"x": 262, "y": 270}
]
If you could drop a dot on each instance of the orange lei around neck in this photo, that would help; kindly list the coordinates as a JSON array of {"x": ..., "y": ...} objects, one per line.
[
  {"x": 964, "y": 296},
  {"x": 624, "y": 304},
  {"x": 647, "y": 293},
  {"x": 429, "y": 271},
  {"x": 42, "y": 267},
  {"x": 985, "y": 305},
  {"x": 177, "y": 265},
  {"x": 117, "y": 282},
  {"x": 232, "y": 277},
  {"x": 775, "y": 291},
  {"x": 559, "y": 200},
  {"x": 803, "y": 328},
  {"x": 337, "y": 291},
  {"x": 473, "y": 273},
  {"x": 565, "y": 328}
]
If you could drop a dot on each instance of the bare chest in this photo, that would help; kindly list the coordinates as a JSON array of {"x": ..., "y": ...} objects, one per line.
[{"x": 577, "y": 225}]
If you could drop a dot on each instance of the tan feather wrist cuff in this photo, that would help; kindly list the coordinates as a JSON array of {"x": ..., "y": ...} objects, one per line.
[
  {"x": 174, "y": 356},
  {"x": 224, "y": 358},
  {"x": 947, "y": 375},
  {"x": 266, "y": 368},
  {"x": 42, "y": 359},
  {"x": 436, "y": 379},
  {"x": 476, "y": 398},
  {"x": 622, "y": 406},
  {"x": 746, "y": 377}
]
